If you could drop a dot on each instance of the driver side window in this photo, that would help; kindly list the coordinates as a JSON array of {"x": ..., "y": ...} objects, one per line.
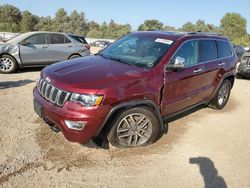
[
  {"x": 188, "y": 51},
  {"x": 36, "y": 39}
]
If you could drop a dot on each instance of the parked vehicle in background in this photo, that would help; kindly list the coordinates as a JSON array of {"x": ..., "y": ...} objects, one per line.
[
  {"x": 5, "y": 36},
  {"x": 124, "y": 93},
  {"x": 40, "y": 49},
  {"x": 247, "y": 49},
  {"x": 243, "y": 68},
  {"x": 239, "y": 50},
  {"x": 101, "y": 43}
]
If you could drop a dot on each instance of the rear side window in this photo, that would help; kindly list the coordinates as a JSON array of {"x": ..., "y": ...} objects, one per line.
[
  {"x": 208, "y": 50},
  {"x": 223, "y": 49},
  {"x": 58, "y": 39},
  {"x": 37, "y": 39},
  {"x": 188, "y": 51},
  {"x": 79, "y": 39}
]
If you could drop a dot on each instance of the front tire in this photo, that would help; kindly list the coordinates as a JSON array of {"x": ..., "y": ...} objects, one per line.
[
  {"x": 134, "y": 127},
  {"x": 7, "y": 64},
  {"x": 220, "y": 99}
]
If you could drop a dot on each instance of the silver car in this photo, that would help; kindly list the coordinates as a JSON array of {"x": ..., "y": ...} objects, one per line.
[{"x": 40, "y": 49}]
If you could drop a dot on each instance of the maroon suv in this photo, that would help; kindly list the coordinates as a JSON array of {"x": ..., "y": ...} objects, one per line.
[{"x": 124, "y": 93}]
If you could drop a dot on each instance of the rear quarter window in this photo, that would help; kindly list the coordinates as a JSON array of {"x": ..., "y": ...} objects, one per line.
[
  {"x": 224, "y": 49},
  {"x": 208, "y": 50},
  {"x": 58, "y": 39},
  {"x": 79, "y": 39}
]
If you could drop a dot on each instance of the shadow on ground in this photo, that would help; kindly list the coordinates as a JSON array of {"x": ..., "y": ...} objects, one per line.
[
  {"x": 209, "y": 172},
  {"x": 19, "y": 83},
  {"x": 30, "y": 69}
]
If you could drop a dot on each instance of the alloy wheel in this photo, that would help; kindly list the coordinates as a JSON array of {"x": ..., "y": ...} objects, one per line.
[
  {"x": 134, "y": 129},
  {"x": 223, "y": 94},
  {"x": 6, "y": 64}
]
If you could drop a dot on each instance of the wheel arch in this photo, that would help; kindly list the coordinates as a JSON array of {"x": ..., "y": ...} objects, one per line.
[
  {"x": 231, "y": 79},
  {"x": 74, "y": 54},
  {"x": 101, "y": 136},
  {"x": 18, "y": 64}
]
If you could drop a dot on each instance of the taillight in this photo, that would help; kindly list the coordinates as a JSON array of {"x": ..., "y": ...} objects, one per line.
[{"x": 87, "y": 46}]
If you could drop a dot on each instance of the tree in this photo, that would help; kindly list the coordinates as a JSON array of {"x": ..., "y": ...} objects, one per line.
[
  {"x": 44, "y": 24},
  {"x": 94, "y": 30},
  {"x": 28, "y": 22},
  {"x": 234, "y": 26},
  {"x": 77, "y": 23},
  {"x": 60, "y": 22},
  {"x": 188, "y": 27},
  {"x": 151, "y": 25},
  {"x": 169, "y": 28},
  {"x": 10, "y": 18}
]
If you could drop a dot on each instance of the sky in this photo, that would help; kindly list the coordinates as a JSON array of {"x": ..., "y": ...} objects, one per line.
[{"x": 174, "y": 13}]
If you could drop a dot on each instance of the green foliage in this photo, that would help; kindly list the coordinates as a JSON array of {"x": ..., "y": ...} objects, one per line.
[
  {"x": 12, "y": 19},
  {"x": 111, "y": 30},
  {"x": 44, "y": 24},
  {"x": 151, "y": 25},
  {"x": 188, "y": 27},
  {"x": 28, "y": 22},
  {"x": 200, "y": 25},
  {"x": 169, "y": 28},
  {"x": 234, "y": 26}
]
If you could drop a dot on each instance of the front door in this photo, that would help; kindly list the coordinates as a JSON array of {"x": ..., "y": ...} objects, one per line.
[
  {"x": 184, "y": 87},
  {"x": 34, "y": 50}
]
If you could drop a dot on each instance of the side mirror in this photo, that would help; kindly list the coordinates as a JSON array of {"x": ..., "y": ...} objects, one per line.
[{"x": 179, "y": 63}]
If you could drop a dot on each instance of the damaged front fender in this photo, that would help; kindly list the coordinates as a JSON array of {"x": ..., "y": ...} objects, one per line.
[{"x": 12, "y": 50}]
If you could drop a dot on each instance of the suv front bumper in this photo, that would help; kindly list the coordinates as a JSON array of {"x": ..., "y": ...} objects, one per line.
[{"x": 93, "y": 117}]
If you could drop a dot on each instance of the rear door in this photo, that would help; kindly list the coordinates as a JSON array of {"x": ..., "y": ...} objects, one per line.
[
  {"x": 35, "y": 50},
  {"x": 60, "y": 47},
  {"x": 209, "y": 58},
  {"x": 185, "y": 87}
]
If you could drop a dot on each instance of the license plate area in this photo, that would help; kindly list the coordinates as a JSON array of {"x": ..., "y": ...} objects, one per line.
[{"x": 38, "y": 108}]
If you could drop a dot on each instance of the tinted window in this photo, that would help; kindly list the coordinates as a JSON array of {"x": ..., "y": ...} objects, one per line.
[
  {"x": 79, "y": 39},
  {"x": 58, "y": 39},
  {"x": 223, "y": 49},
  {"x": 36, "y": 39},
  {"x": 208, "y": 50},
  {"x": 189, "y": 52}
]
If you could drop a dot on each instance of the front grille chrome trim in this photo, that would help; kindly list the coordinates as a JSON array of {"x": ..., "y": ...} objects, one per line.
[{"x": 52, "y": 94}]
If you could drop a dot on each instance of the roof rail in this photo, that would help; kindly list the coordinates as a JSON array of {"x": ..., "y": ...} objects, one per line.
[{"x": 204, "y": 33}]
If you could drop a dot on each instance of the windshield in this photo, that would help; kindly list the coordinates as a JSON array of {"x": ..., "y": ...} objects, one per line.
[
  {"x": 139, "y": 50},
  {"x": 18, "y": 38}
]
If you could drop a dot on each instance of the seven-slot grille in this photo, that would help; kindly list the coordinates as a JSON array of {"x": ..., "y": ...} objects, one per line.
[{"x": 52, "y": 94}]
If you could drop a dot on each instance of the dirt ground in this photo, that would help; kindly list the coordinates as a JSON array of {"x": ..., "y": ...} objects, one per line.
[{"x": 206, "y": 148}]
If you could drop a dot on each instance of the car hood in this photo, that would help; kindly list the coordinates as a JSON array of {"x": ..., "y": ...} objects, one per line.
[{"x": 91, "y": 74}]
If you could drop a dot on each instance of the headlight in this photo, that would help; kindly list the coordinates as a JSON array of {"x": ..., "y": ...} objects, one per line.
[{"x": 86, "y": 100}]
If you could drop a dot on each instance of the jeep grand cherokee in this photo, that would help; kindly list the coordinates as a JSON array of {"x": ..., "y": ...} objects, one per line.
[{"x": 124, "y": 93}]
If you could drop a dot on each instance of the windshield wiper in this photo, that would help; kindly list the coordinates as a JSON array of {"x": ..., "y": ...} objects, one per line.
[
  {"x": 100, "y": 54},
  {"x": 121, "y": 60}
]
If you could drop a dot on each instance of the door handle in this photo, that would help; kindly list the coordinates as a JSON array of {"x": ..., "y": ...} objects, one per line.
[
  {"x": 45, "y": 46},
  {"x": 222, "y": 64},
  {"x": 198, "y": 71},
  {"x": 70, "y": 46}
]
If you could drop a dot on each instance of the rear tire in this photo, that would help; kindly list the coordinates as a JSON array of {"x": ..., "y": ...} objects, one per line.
[
  {"x": 7, "y": 64},
  {"x": 74, "y": 56},
  {"x": 221, "y": 97},
  {"x": 134, "y": 127}
]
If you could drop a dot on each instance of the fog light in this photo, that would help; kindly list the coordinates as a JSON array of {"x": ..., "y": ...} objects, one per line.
[{"x": 75, "y": 125}]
